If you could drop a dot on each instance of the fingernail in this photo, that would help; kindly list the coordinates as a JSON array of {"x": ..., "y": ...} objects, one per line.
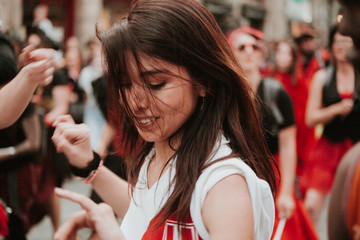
[{"x": 59, "y": 190}]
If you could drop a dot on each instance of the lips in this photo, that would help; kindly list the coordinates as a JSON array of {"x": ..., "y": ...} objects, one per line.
[{"x": 146, "y": 121}]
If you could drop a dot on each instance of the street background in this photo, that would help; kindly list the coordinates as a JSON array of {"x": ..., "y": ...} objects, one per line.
[{"x": 43, "y": 231}]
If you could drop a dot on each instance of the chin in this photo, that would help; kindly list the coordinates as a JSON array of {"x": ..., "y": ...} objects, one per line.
[{"x": 151, "y": 137}]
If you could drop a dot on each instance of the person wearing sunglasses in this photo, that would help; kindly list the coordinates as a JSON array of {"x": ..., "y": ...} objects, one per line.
[{"x": 277, "y": 118}]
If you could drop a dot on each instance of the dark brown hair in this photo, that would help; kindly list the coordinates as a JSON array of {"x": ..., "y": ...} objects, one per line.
[{"x": 184, "y": 33}]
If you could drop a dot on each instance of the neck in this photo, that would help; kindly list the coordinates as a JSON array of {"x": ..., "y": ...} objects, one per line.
[
  {"x": 164, "y": 152},
  {"x": 254, "y": 79},
  {"x": 344, "y": 67},
  {"x": 283, "y": 69}
]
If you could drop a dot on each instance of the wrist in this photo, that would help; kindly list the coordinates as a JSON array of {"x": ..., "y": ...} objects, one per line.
[
  {"x": 24, "y": 79},
  {"x": 287, "y": 189},
  {"x": 336, "y": 109},
  {"x": 87, "y": 171}
]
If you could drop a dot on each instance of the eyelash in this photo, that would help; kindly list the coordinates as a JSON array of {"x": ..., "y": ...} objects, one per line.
[
  {"x": 151, "y": 86},
  {"x": 157, "y": 86}
]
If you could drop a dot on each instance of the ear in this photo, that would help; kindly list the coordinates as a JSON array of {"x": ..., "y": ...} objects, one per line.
[{"x": 202, "y": 92}]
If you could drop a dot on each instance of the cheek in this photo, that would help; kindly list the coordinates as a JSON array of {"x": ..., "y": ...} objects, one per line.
[
  {"x": 340, "y": 53},
  {"x": 179, "y": 104},
  {"x": 284, "y": 60}
]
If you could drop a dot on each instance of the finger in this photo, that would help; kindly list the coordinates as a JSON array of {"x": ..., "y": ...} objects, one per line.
[
  {"x": 65, "y": 124},
  {"x": 24, "y": 57},
  {"x": 28, "y": 48},
  {"x": 86, "y": 203},
  {"x": 50, "y": 71},
  {"x": 39, "y": 66},
  {"x": 282, "y": 215},
  {"x": 68, "y": 230},
  {"x": 282, "y": 211},
  {"x": 63, "y": 118},
  {"x": 61, "y": 144},
  {"x": 41, "y": 54},
  {"x": 75, "y": 134},
  {"x": 47, "y": 81},
  {"x": 289, "y": 213},
  {"x": 61, "y": 127}
]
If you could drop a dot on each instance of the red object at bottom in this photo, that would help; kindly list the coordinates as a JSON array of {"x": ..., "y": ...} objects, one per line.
[
  {"x": 170, "y": 231},
  {"x": 4, "y": 231},
  {"x": 299, "y": 226}
]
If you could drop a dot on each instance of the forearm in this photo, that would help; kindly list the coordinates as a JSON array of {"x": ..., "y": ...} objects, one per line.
[
  {"x": 321, "y": 115},
  {"x": 316, "y": 113},
  {"x": 287, "y": 149},
  {"x": 14, "y": 97},
  {"x": 287, "y": 169},
  {"x": 61, "y": 98},
  {"x": 119, "y": 199}
]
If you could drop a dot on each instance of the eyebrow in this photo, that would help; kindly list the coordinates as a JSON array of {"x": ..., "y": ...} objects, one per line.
[{"x": 154, "y": 72}]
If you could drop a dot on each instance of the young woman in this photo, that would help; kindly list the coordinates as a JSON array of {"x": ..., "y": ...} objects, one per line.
[
  {"x": 331, "y": 103},
  {"x": 175, "y": 83}
]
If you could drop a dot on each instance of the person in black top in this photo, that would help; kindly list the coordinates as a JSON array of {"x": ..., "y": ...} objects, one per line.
[
  {"x": 279, "y": 128},
  {"x": 37, "y": 68},
  {"x": 19, "y": 151}
]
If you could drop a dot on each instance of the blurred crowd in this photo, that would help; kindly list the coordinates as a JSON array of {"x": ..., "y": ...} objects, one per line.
[{"x": 310, "y": 121}]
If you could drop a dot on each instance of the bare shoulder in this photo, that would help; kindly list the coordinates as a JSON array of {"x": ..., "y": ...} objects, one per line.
[
  {"x": 319, "y": 77},
  {"x": 227, "y": 210},
  {"x": 234, "y": 182}
]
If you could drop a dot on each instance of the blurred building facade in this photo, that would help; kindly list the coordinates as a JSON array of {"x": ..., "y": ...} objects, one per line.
[
  {"x": 69, "y": 17},
  {"x": 277, "y": 18},
  {"x": 280, "y": 18}
]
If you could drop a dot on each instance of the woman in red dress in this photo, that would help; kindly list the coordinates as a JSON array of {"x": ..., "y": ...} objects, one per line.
[{"x": 331, "y": 103}]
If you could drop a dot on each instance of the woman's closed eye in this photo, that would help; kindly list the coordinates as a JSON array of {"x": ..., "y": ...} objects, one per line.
[{"x": 157, "y": 86}]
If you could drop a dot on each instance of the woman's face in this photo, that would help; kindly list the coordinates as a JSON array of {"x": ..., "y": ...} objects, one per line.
[
  {"x": 340, "y": 47},
  {"x": 283, "y": 57},
  {"x": 248, "y": 52},
  {"x": 165, "y": 103}
]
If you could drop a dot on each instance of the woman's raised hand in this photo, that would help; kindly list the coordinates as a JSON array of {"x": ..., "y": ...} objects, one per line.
[
  {"x": 37, "y": 64},
  {"x": 73, "y": 140},
  {"x": 98, "y": 217}
]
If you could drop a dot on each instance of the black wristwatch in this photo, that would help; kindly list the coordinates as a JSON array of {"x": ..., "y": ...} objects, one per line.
[{"x": 89, "y": 169}]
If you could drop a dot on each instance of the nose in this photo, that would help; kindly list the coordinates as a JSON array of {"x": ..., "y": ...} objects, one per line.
[
  {"x": 138, "y": 97},
  {"x": 249, "y": 49}
]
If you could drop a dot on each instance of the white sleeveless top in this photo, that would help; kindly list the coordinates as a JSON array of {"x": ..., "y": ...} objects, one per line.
[{"x": 146, "y": 203}]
